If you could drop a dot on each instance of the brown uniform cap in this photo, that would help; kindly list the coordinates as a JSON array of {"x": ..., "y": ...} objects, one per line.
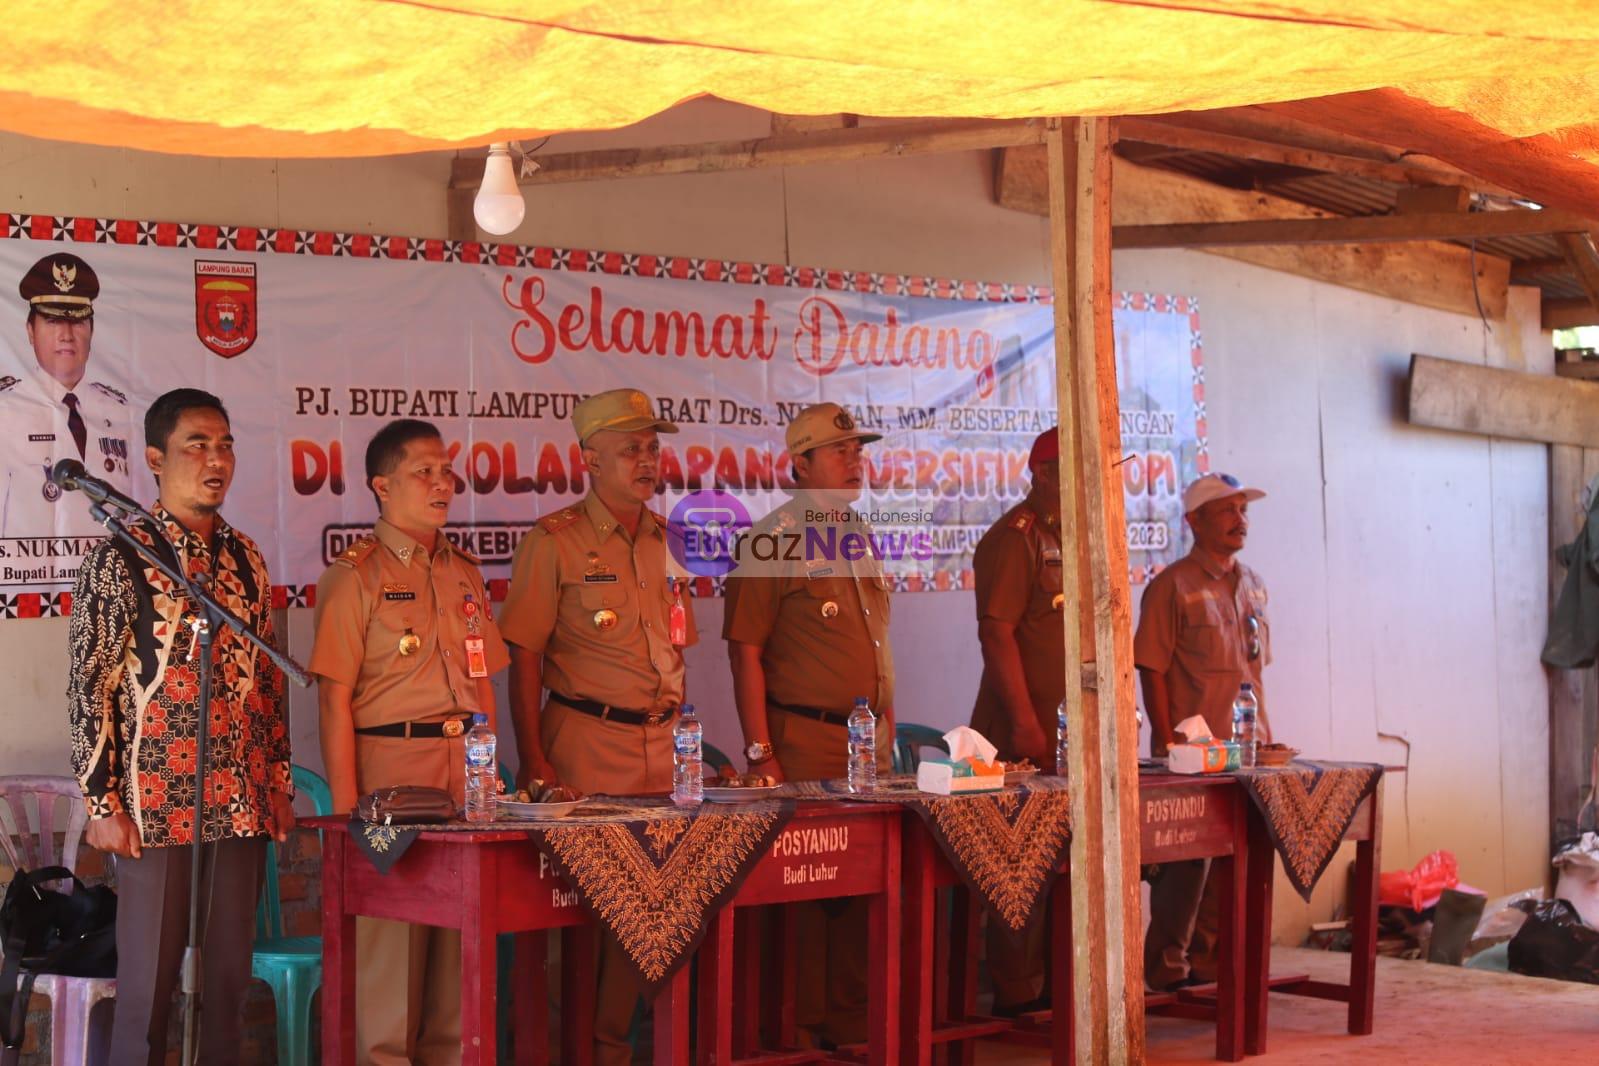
[
  {"x": 824, "y": 423},
  {"x": 624, "y": 410},
  {"x": 60, "y": 286}
]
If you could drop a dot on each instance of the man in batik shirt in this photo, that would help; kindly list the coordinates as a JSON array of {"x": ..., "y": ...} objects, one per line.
[{"x": 133, "y": 702}]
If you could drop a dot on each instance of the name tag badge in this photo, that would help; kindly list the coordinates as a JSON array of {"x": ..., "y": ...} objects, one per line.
[
  {"x": 1051, "y": 556},
  {"x": 677, "y": 624},
  {"x": 396, "y": 591},
  {"x": 41, "y": 438},
  {"x": 477, "y": 663},
  {"x": 599, "y": 579}
]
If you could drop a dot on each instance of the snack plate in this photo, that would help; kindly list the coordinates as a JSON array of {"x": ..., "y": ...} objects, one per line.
[
  {"x": 1276, "y": 756},
  {"x": 536, "y": 811},
  {"x": 1016, "y": 777},
  {"x": 724, "y": 794}
]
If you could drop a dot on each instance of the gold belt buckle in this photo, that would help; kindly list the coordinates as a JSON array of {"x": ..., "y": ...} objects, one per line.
[
  {"x": 655, "y": 718},
  {"x": 454, "y": 728}
]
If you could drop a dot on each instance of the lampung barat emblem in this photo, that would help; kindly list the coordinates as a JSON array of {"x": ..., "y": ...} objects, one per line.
[{"x": 225, "y": 306}]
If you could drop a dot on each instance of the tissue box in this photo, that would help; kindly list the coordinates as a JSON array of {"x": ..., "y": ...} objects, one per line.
[
  {"x": 1202, "y": 757},
  {"x": 952, "y": 779}
]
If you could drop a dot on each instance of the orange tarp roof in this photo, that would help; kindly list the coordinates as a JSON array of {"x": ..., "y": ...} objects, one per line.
[{"x": 365, "y": 77}]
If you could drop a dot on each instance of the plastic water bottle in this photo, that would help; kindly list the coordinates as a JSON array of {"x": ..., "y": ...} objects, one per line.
[
  {"x": 1060, "y": 741},
  {"x": 688, "y": 758},
  {"x": 862, "y": 748},
  {"x": 482, "y": 778},
  {"x": 1246, "y": 718}
]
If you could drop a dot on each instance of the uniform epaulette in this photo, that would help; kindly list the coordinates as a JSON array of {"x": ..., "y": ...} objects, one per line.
[
  {"x": 1023, "y": 520},
  {"x": 356, "y": 554},
  {"x": 116, "y": 394},
  {"x": 6, "y": 382},
  {"x": 552, "y": 523}
]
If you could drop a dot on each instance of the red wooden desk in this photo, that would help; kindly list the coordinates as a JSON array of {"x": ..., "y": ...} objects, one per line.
[
  {"x": 1360, "y": 992},
  {"x": 1180, "y": 817},
  {"x": 482, "y": 883},
  {"x": 831, "y": 849}
]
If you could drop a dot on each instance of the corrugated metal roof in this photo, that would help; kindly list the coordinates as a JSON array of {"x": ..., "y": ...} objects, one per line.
[{"x": 1350, "y": 195}]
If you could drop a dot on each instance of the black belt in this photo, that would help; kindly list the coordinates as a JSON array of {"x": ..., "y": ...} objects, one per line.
[
  {"x": 454, "y": 727},
  {"x": 825, "y": 717},
  {"x": 606, "y": 712}
]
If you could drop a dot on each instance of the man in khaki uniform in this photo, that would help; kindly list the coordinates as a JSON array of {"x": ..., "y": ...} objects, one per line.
[
  {"x": 806, "y": 639},
  {"x": 1202, "y": 632},
  {"x": 597, "y": 617},
  {"x": 405, "y": 645},
  {"x": 1021, "y": 614}
]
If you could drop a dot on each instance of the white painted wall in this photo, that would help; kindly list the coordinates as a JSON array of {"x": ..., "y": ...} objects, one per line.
[{"x": 1407, "y": 566}]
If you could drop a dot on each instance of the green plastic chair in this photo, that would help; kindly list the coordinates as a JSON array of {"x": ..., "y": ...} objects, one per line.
[
  {"x": 290, "y": 965},
  {"x": 909, "y": 740}
]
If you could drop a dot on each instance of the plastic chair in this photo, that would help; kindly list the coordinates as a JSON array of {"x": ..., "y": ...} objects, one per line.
[
  {"x": 909, "y": 740},
  {"x": 714, "y": 757},
  {"x": 29, "y": 840},
  {"x": 291, "y": 965}
]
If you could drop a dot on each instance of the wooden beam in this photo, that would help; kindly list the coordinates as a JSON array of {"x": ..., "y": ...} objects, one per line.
[
  {"x": 1523, "y": 270},
  {"x": 783, "y": 125},
  {"x": 1503, "y": 403},
  {"x": 1108, "y": 1004},
  {"x": 1371, "y": 230},
  {"x": 1584, "y": 260},
  {"x": 1152, "y": 131},
  {"x": 821, "y": 146},
  {"x": 1433, "y": 199},
  {"x": 1569, "y": 314},
  {"x": 1431, "y": 274}
]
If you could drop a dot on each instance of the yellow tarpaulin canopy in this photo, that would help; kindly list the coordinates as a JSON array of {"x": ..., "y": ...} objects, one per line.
[{"x": 364, "y": 77}]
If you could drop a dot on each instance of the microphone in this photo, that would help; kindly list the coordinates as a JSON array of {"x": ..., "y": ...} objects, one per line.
[{"x": 71, "y": 475}]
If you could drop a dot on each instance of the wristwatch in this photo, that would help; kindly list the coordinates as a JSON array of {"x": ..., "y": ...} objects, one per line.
[{"x": 759, "y": 751}]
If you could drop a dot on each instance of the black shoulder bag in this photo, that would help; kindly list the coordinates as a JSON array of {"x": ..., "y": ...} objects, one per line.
[{"x": 47, "y": 931}]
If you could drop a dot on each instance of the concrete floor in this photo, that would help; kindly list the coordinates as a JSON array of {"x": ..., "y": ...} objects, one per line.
[{"x": 1425, "y": 1014}]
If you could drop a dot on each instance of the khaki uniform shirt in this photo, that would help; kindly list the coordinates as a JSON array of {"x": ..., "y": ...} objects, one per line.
[
  {"x": 577, "y": 563},
  {"x": 1193, "y": 627},
  {"x": 366, "y": 601},
  {"x": 1021, "y": 580},
  {"x": 811, "y": 659}
]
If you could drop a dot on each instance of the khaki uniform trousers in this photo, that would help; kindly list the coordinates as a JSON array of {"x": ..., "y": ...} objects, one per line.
[
  {"x": 601, "y": 756},
  {"x": 1184, "y": 924},
  {"x": 408, "y": 977},
  {"x": 830, "y": 988}
]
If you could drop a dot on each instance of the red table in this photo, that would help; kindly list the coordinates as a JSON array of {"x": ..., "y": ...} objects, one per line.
[
  {"x": 831, "y": 849},
  {"x": 455, "y": 880},
  {"x": 1360, "y": 992},
  {"x": 1180, "y": 817}
]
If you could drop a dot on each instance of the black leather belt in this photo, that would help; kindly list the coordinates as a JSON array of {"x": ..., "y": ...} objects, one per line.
[
  {"x": 606, "y": 712},
  {"x": 825, "y": 717},
  {"x": 454, "y": 727}
]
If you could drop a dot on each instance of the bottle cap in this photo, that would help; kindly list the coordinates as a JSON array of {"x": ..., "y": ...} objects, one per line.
[
  {"x": 480, "y": 719},
  {"x": 862, "y": 701},
  {"x": 1246, "y": 687},
  {"x": 688, "y": 708}
]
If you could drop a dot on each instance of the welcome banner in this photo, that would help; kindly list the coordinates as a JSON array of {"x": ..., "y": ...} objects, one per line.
[{"x": 315, "y": 340}]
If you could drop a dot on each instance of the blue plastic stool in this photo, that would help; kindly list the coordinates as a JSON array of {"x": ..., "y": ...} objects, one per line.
[{"x": 291, "y": 965}]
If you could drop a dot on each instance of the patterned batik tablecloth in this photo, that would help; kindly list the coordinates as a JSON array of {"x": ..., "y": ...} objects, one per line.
[{"x": 1307, "y": 807}]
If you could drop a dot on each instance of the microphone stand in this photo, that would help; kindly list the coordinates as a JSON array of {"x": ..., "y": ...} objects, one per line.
[{"x": 212, "y": 616}]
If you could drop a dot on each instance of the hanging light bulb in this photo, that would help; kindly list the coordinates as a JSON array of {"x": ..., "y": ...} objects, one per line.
[{"x": 498, "y": 206}]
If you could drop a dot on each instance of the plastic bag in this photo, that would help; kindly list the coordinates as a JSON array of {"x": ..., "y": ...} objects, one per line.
[
  {"x": 1420, "y": 887},
  {"x": 1553, "y": 942},
  {"x": 1578, "y": 864}
]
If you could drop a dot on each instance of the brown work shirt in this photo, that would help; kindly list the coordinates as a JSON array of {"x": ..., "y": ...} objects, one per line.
[
  {"x": 1194, "y": 628},
  {"x": 597, "y": 604},
  {"x": 382, "y": 588},
  {"x": 822, "y": 628},
  {"x": 1021, "y": 581}
]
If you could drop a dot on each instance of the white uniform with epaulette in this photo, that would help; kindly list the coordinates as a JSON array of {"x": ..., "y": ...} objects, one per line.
[{"x": 34, "y": 436}]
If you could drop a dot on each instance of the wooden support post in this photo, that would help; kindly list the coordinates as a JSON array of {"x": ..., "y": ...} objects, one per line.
[{"x": 1108, "y": 1007}]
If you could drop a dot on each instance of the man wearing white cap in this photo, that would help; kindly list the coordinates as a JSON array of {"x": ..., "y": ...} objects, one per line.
[{"x": 1202, "y": 632}]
